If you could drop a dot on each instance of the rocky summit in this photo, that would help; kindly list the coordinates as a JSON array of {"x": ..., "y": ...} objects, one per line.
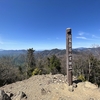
[{"x": 49, "y": 87}]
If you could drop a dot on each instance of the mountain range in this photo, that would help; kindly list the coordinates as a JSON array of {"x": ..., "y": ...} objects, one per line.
[{"x": 48, "y": 52}]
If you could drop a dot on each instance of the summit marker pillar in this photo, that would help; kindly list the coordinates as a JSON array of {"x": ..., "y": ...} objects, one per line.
[{"x": 69, "y": 55}]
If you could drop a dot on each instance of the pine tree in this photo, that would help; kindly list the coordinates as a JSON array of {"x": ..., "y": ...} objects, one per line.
[
  {"x": 54, "y": 64},
  {"x": 30, "y": 62}
]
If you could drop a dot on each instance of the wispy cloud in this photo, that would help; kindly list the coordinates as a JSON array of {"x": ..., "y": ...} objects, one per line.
[
  {"x": 84, "y": 38},
  {"x": 7, "y": 43},
  {"x": 81, "y": 33},
  {"x": 81, "y": 37},
  {"x": 94, "y": 36},
  {"x": 10, "y": 43}
]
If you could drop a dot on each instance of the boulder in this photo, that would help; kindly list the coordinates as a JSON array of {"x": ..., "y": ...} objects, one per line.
[
  {"x": 71, "y": 89},
  {"x": 4, "y": 96},
  {"x": 74, "y": 85}
]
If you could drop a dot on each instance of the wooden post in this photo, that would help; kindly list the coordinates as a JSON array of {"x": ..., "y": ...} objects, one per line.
[{"x": 69, "y": 55}]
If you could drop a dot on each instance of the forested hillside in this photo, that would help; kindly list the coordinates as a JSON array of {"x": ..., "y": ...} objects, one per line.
[{"x": 21, "y": 64}]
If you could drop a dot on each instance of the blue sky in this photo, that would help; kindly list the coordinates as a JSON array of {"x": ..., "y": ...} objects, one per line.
[{"x": 41, "y": 24}]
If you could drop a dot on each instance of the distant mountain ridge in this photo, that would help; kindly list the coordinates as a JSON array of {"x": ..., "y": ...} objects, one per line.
[
  {"x": 47, "y": 52},
  {"x": 1, "y": 49},
  {"x": 11, "y": 52},
  {"x": 80, "y": 48}
]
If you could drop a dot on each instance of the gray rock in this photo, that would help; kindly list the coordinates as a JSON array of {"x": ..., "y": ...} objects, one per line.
[
  {"x": 74, "y": 85},
  {"x": 4, "y": 96},
  {"x": 9, "y": 94},
  {"x": 43, "y": 91},
  {"x": 59, "y": 78},
  {"x": 20, "y": 96},
  {"x": 71, "y": 89}
]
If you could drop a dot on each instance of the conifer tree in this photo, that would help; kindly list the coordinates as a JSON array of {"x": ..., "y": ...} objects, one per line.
[{"x": 30, "y": 61}]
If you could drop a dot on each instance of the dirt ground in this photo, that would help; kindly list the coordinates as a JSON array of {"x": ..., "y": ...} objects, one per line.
[{"x": 52, "y": 87}]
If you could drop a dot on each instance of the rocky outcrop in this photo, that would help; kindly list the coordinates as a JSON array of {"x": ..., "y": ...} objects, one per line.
[
  {"x": 9, "y": 96},
  {"x": 20, "y": 96},
  {"x": 49, "y": 87},
  {"x": 4, "y": 96}
]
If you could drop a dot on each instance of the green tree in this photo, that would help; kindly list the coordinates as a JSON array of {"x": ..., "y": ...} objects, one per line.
[
  {"x": 54, "y": 64},
  {"x": 30, "y": 62},
  {"x": 20, "y": 69}
]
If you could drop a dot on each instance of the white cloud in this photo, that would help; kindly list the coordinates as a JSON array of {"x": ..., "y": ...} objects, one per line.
[
  {"x": 81, "y": 37},
  {"x": 81, "y": 33},
  {"x": 94, "y": 36},
  {"x": 7, "y": 43}
]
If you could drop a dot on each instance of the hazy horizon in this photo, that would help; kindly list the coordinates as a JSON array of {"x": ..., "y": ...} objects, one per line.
[{"x": 45, "y": 49}]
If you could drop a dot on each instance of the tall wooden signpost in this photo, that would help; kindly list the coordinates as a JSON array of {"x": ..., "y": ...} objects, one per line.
[{"x": 69, "y": 55}]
